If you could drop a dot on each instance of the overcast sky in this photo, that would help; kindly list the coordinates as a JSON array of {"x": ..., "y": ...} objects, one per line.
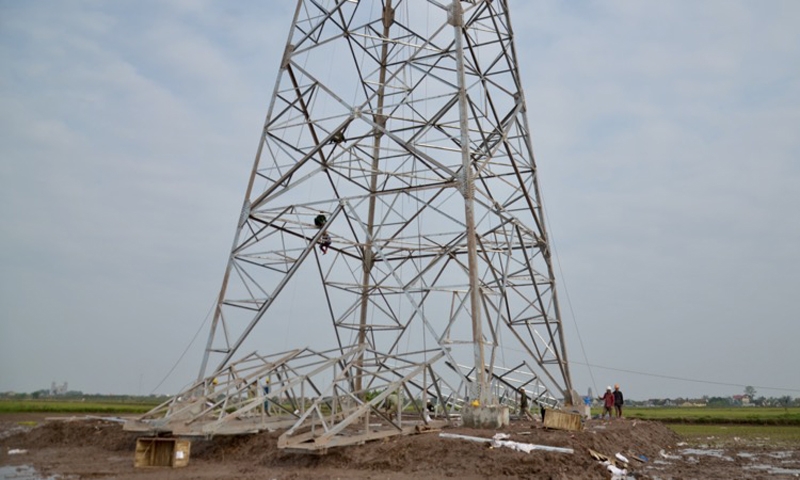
[{"x": 667, "y": 136}]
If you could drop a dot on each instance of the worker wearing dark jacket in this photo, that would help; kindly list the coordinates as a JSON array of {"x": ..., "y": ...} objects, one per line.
[
  {"x": 523, "y": 405},
  {"x": 619, "y": 400}
]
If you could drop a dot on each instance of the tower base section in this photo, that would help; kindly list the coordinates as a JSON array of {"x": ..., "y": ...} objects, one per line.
[{"x": 489, "y": 416}]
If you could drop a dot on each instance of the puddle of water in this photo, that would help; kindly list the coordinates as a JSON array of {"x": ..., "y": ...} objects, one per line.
[
  {"x": 668, "y": 456},
  {"x": 781, "y": 455},
  {"x": 775, "y": 470},
  {"x": 23, "y": 472},
  {"x": 709, "y": 452},
  {"x": 690, "y": 456}
]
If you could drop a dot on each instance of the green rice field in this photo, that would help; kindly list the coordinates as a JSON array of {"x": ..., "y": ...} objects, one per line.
[
  {"x": 732, "y": 425},
  {"x": 727, "y": 434},
  {"x": 75, "y": 406},
  {"x": 703, "y": 415}
]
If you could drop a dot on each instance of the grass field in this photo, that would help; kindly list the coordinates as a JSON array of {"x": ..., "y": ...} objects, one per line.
[
  {"x": 750, "y": 434},
  {"x": 74, "y": 406},
  {"x": 733, "y": 425},
  {"x": 702, "y": 415}
]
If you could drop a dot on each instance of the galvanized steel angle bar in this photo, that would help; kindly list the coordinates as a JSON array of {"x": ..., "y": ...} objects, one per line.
[
  {"x": 302, "y": 93},
  {"x": 320, "y": 20},
  {"x": 358, "y": 412},
  {"x": 261, "y": 199},
  {"x": 410, "y": 298},
  {"x": 276, "y": 291}
]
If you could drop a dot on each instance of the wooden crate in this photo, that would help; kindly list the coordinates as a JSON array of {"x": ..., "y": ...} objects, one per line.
[
  {"x": 562, "y": 420},
  {"x": 161, "y": 452}
]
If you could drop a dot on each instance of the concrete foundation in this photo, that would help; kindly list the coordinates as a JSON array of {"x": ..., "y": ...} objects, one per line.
[{"x": 490, "y": 416}]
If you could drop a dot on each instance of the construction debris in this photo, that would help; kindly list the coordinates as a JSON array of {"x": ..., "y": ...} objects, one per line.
[
  {"x": 638, "y": 458},
  {"x": 161, "y": 452},
  {"x": 600, "y": 457},
  {"x": 559, "y": 420},
  {"x": 611, "y": 463},
  {"x": 617, "y": 472},
  {"x": 500, "y": 440}
]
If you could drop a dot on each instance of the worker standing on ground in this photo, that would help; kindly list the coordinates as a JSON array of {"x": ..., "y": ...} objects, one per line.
[
  {"x": 608, "y": 403},
  {"x": 523, "y": 405},
  {"x": 390, "y": 405},
  {"x": 619, "y": 400},
  {"x": 266, "y": 395}
]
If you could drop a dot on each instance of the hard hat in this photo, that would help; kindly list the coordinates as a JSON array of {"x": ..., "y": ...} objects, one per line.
[
  {"x": 608, "y": 388},
  {"x": 215, "y": 381}
]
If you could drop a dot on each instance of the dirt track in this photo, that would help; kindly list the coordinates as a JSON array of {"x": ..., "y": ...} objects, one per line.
[{"x": 99, "y": 449}]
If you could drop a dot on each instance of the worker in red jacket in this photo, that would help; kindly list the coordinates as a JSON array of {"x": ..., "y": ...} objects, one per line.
[{"x": 608, "y": 403}]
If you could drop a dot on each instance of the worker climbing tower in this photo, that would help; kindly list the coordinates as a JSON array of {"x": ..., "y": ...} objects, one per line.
[{"x": 392, "y": 237}]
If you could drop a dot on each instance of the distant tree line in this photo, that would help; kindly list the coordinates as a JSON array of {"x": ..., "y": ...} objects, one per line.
[
  {"x": 748, "y": 399},
  {"x": 44, "y": 394}
]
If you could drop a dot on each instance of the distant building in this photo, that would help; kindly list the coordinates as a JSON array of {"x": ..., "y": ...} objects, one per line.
[
  {"x": 742, "y": 399},
  {"x": 56, "y": 389}
]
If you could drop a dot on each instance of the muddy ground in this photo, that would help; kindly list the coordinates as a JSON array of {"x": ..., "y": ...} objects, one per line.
[{"x": 97, "y": 449}]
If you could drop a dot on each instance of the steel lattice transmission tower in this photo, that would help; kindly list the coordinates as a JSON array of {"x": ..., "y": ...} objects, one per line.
[{"x": 404, "y": 124}]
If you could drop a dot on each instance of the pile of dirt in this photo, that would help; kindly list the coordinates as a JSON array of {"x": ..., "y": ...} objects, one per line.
[
  {"x": 429, "y": 454},
  {"x": 77, "y": 433},
  {"x": 403, "y": 457}
]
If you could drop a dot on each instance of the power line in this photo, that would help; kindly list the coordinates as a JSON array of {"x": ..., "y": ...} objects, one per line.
[
  {"x": 670, "y": 377},
  {"x": 684, "y": 379},
  {"x": 569, "y": 300},
  {"x": 191, "y": 342}
]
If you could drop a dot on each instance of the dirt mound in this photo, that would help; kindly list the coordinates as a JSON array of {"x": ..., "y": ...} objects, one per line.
[
  {"x": 77, "y": 433},
  {"x": 429, "y": 455},
  {"x": 403, "y": 457}
]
